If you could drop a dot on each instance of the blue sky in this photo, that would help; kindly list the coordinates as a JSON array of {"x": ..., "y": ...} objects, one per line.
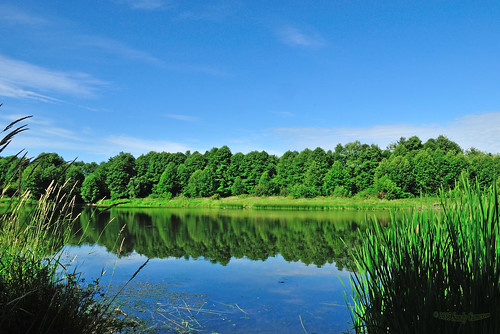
[{"x": 104, "y": 76}]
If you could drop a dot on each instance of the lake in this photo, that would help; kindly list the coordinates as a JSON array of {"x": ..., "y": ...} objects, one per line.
[{"x": 224, "y": 271}]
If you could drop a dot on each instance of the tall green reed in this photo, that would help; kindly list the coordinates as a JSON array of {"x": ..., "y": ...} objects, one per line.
[{"x": 432, "y": 271}]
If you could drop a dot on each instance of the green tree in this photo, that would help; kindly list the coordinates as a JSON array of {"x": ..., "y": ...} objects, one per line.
[
  {"x": 264, "y": 185},
  {"x": 120, "y": 169},
  {"x": 94, "y": 186},
  {"x": 284, "y": 177},
  {"x": 334, "y": 178},
  {"x": 220, "y": 160},
  {"x": 425, "y": 172},
  {"x": 47, "y": 167},
  {"x": 237, "y": 188},
  {"x": 139, "y": 187},
  {"x": 169, "y": 184},
  {"x": 195, "y": 161},
  {"x": 201, "y": 183}
]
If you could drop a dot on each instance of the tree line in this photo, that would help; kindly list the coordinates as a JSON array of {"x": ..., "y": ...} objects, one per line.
[{"x": 406, "y": 168}]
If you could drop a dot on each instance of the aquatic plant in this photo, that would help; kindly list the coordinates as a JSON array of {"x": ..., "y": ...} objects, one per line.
[{"x": 432, "y": 271}]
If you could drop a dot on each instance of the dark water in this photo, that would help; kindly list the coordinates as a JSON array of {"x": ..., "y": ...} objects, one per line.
[{"x": 225, "y": 271}]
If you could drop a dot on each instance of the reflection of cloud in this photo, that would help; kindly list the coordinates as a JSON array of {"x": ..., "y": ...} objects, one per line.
[
  {"x": 296, "y": 38},
  {"x": 479, "y": 131},
  {"x": 22, "y": 80}
]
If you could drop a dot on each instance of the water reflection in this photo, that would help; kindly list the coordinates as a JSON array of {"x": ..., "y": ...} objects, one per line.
[{"x": 219, "y": 235}]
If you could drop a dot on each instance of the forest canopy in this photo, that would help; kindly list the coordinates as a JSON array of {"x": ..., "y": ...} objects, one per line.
[{"x": 406, "y": 168}]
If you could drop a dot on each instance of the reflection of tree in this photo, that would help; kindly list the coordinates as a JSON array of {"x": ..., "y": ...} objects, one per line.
[{"x": 217, "y": 236}]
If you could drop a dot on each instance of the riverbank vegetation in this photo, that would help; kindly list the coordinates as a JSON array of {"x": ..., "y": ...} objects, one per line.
[
  {"x": 408, "y": 168},
  {"x": 432, "y": 271},
  {"x": 275, "y": 203},
  {"x": 38, "y": 293}
]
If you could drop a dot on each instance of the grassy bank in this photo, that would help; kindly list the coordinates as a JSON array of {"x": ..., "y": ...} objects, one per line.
[
  {"x": 277, "y": 203},
  {"x": 432, "y": 271}
]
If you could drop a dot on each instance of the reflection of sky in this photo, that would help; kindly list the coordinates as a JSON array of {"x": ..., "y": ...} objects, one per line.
[{"x": 273, "y": 293}]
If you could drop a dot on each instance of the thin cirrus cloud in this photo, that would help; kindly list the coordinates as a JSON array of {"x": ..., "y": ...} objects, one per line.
[
  {"x": 212, "y": 11},
  {"x": 124, "y": 51},
  {"x": 145, "y": 4},
  {"x": 480, "y": 131},
  {"x": 185, "y": 118},
  {"x": 46, "y": 136},
  {"x": 294, "y": 37},
  {"x": 22, "y": 80},
  {"x": 137, "y": 146},
  {"x": 16, "y": 16},
  {"x": 117, "y": 48}
]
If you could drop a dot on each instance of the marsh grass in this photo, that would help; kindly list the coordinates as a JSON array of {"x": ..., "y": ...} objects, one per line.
[{"x": 432, "y": 271}]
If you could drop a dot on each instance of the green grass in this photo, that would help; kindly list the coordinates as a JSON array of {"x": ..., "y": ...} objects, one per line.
[
  {"x": 37, "y": 293},
  {"x": 433, "y": 271},
  {"x": 276, "y": 203}
]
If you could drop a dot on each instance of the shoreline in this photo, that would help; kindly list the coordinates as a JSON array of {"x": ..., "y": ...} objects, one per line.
[{"x": 272, "y": 203}]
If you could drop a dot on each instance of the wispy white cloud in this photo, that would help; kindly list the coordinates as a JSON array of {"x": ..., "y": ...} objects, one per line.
[
  {"x": 185, "y": 118},
  {"x": 120, "y": 49},
  {"x": 22, "y": 80},
  {"x": 145, "y": 4},
  {"x": 17, "y": 16},
  {"x": 138, "y": 146},
  {"x": 212, "y": 11},
  {"x": 296, "y": 38},
  {"x": 46, "y": 135},
  {"x": 479, "y": 130},
  {"x": 282, "y": 113}
]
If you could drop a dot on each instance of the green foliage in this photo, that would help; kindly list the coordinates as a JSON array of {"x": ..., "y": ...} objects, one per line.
[
  {"x": 237, "y": 188},
  {"x": 94, "y": 186},
  {"x": 201, "y": 183},
  {"x": 139, "y": 187},
  {"x": 219, "y": 161},
  {"x": 168, "y": 183},
  {"x": 38, "y": 175},
  {"x": 407, "y": 168},
  {"x": 386, "y": 188},
  {"x": 335, "y": 177},
  {"x": 119, "y": 170}
]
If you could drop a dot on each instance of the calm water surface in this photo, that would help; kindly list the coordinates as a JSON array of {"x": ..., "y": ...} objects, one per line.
[{"x": 225, "y": 271}]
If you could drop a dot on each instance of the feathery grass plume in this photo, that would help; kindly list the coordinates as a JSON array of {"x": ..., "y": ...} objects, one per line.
[{"x": 433, "y": 271}]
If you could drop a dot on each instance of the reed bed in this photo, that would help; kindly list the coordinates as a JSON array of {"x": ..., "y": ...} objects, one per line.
[{"x": 431, "y": 271}]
